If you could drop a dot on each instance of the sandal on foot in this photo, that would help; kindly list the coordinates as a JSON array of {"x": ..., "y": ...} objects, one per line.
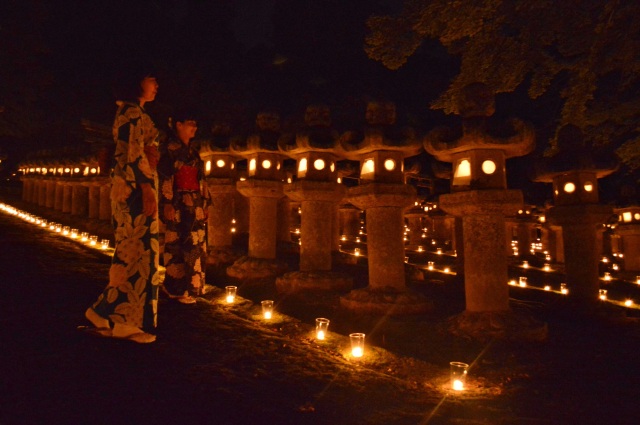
[
  {"x": 103, "y": 332},
  {"x": 139, "y": 337},
  {"x": 187, "y": 299}
]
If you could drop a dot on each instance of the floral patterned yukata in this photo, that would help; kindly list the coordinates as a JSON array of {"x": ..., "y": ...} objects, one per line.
[
  {"x": 131, "y": 297},
  {"x": 182, "y": 185}
]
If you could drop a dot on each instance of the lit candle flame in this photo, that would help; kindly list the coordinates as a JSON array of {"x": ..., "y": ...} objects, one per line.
[
  {"x": 230, "y": 298},
  {"x": 458, "y": 385},
  {"x": 320, "y": 335},
  {"x": 357, "y": 352}
]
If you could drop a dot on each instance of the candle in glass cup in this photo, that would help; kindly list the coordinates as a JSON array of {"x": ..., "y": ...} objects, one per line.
[
  {"x": 267, "y": 309},
  {"x": 322, "y": 325},
  {"x": 231, "y": 293},
  {"x": 104, "y": 244},
  {"x": 93, "y": 240},
  {"x": 458, "y": 375},
  {"x": 84, "y": 236},
  {"x": 357, "y": 344}
]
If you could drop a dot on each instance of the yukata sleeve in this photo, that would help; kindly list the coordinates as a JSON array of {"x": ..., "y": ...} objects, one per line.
[{"x": 130, "y": 157}]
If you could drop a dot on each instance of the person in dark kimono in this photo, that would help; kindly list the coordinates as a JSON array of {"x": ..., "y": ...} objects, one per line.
[
  {"x": 183, "y": 201},
  {"x": 131, "y": 297}
]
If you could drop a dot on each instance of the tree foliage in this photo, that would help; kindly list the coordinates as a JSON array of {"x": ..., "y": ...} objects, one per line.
[{"x": 588, "y": 48}]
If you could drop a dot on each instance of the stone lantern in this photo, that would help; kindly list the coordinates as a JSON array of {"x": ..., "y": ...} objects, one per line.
[
  {"x": 383, "y": 195},
  {"x": 481, "y": 198},
  {"x": 628, "y": 233},
  {"x": 316, "y": 149},
  {"x": 263, "y": 188},
  {"x": 574, "y": 172},
  {"x": 220, "y": 175}
]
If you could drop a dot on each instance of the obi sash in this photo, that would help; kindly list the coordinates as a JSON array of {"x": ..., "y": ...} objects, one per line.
[{"x": 186, "y": 178}]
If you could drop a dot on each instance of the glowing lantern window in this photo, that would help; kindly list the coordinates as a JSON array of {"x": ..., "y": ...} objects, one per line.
[
  {"x": 339, "y": 180},
  {"x": 488, "y": 167},
  {"x": 66, "y": 170},
  {"x": 569, "y": 187},
  {"x": 31, "y": 170},
  {"x": 636, "y": 216},
  {"x": 60, "y": 170},
  {"x": 302, "y": 165},
  {"x": 38, "y": 169},
  {"x": 44, "y": 171},
  {"x": 389, "y": 164},
  {"x": 368, "y": 166},
  {"x": 462, "y": 174},
  {"x": 51, "y": 170},
  {"x": 76, "y": 170},
  {"x": 332, "y": 167},
  {"x": 266, "y": 164},
  {"x": 588, "y": 187},
  {"x": 86, "y": 171},
  {"x": 278, "y": 165},
  {"x": 318, "y": 164},
  {"x": 626, "y": 216},
  {"x": 94, "y": 170},
  {"x": 220, "y": 163},
  {"x": 252, "y": 165},
  {"x": 207, "y": 166}
]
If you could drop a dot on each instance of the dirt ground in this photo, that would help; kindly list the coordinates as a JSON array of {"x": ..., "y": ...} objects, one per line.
[{"x": 220, "y": 364}]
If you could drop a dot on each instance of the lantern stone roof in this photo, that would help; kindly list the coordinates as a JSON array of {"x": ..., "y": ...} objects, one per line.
[
  {"x": 575, "y": 153},
  {"x": 476, "y": 103},
  {"x": 264, "y": 139},
  {"x": 316, "y": 134},
  {"x": 380, "y": 134}
]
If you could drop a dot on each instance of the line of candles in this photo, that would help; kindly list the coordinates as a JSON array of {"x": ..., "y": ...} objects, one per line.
[{"x": 72, "y": 233}]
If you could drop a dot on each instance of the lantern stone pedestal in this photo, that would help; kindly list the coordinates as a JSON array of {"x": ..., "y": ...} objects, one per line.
[
  {"x": 387, "y": 292},
  {"x": 220, "y": 248},
  {"x": 487, "y": 312},
  {"x": 317, "y": 200},
  {"x": 263, "y": 206},
  {"x": 581, "y": 229}
]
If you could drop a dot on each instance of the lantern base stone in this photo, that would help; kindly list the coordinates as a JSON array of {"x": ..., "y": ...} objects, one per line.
[
  {"x": 222, "y": 255},
  {"x": 313, "y": 281},
  {"x": 386, "y": 302},
  {"x": 255, "y": 268},
  {"x": 504, "y": 325}
]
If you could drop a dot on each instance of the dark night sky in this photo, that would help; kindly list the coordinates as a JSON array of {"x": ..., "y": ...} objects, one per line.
[
  {"x": 251, "y": 54},
  {"x": 226, "y": 59}
]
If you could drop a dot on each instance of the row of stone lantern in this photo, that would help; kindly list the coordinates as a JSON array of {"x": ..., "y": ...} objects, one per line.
[{"x": 479, "y": 200}]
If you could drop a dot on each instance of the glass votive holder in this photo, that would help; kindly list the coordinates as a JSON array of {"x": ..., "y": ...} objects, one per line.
[
  {"x": 563, "y": 289},
  {"x": 58, "y": 227},
  {"x": 322, "y": 325},
  {"x": 547, "y": 287},
  {"x": 525, "y": 264},
  {"x": 84, "y": 236},
  {"x": 104, "y": 244},
  {"x": 522, "y": 281},
  {"x": 66, "y": 230},
  {"x": 357, "y": 344},
  {"x": 430, "y": 265},
  {"x": 602, "y": 294},
  {"x": 231, "y": 294},
  {"x": 607, "y": 276},
  {"x": 628, "y": 302},
  {"x": 458, "y": 375},
  {"x": 267, "y": 309},
  {"x": 93, "y": 240},
  {"x": 439, "y": 251},
  {"x": 546, "y": 267},
  {"x": 638, "y": 280},
  {"x": 74, "y": 233},
  {"x": 52, "y": 226},
  {"x": 44, "y": 223}
]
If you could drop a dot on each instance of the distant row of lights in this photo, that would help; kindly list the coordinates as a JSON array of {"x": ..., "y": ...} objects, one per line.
[
  {"x": 83, "y": 237},
  {"x": 86, "y": 171}
]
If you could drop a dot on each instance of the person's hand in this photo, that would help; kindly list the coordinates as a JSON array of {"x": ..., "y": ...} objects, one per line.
[
  {"x": 169, "y": 212},
  {"x": 153, "y": 156},
  {"x": 149, "y": 201}
]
